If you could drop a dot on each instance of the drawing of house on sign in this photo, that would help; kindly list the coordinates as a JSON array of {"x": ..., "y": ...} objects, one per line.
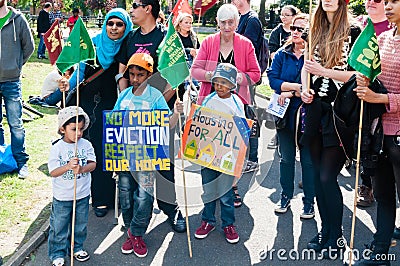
[
  {"x": 228, "y": 161},
  {"x": 207, "y": 154},
  {"x": 191, "y": 149}
]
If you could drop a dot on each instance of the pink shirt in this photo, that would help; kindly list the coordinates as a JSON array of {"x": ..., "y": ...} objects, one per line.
[
  {"x": 207, "y": 60},
  {"x": 389, "y": 49}
]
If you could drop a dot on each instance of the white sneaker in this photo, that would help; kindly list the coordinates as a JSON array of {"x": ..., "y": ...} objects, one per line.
[
  {"x": 23, "y": 172},
  {"x": 58, "y": 262}
]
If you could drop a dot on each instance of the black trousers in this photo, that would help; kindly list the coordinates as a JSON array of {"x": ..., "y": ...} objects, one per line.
[{"x": 385, "y": 182}]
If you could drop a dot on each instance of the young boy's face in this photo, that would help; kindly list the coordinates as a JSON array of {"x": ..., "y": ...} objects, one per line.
[
  {"x": 70, "y": 129},
  {"x": 137, "y": 77},
  {"x": 222, "y": 87}
]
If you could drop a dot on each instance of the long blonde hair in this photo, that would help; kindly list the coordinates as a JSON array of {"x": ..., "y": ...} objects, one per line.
[{"x": 330, "y": 38}]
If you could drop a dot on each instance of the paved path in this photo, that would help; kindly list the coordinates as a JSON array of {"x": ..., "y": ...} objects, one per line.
[{"x": 259, "y": 228}]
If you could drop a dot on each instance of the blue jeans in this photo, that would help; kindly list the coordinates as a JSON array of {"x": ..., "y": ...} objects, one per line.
[
  {"x": 41, "y": 52},
  {"x": 287, "y": 148},
  {"x": 136, "y": 196},
  {"x": 253, "y": 150},
  {"x": 217, "y": 186},
  {"x": 53, "y": 98},
  {"x": 60, "y": 227},
  {"x": 10, "y": 91}
]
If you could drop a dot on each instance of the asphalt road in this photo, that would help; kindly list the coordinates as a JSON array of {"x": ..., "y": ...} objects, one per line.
[{"x": 265, "y": 238}]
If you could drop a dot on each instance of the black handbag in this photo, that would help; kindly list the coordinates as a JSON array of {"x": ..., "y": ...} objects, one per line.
[{"x": 251, "y": 113}]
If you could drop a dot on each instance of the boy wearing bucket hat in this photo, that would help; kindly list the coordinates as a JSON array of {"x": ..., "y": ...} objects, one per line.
[
  {"x": 217, "y": 186},
  {"x": 137, "y": 199},
  {"x": 63, "y": 165}
]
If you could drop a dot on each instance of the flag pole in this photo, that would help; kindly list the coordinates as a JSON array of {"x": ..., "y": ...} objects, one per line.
[
  {"x": 184, "y": 183},
  {"x": 353, "y": 220},
  {"x": 75, "y": 175},
  {"x": 309, "y": 45}
]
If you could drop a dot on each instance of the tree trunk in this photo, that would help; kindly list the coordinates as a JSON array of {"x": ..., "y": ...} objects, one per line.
[{"x": 261, "y": 14}]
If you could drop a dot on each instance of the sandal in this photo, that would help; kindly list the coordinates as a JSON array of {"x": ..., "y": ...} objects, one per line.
[{"x": 237, "y": 202}]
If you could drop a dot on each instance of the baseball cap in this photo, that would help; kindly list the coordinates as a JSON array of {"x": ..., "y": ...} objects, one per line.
[
  {"x": 226, "y": 71},
  {"x": 140, "y": 59}
]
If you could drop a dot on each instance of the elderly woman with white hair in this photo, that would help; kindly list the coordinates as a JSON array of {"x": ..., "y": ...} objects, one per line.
[{"x": 226, "y": 46}]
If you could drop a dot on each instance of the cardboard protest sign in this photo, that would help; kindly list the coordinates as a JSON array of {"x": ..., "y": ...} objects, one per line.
[
  {"x": 216, "y": 140},
  {"x": 136, "y": 140}
]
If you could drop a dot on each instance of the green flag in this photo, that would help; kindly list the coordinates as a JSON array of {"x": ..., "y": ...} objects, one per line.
[
  {"x": 171, "y": 58},
  {"x": 78, "y": 47},
  {"x": 364, "y": 56}
]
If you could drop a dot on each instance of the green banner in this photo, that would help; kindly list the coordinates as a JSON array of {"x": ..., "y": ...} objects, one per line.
[
  {"x": 79, "y": 47},
  {"x": 364, "y": 56},
  {"x": 171, "y": 58}
]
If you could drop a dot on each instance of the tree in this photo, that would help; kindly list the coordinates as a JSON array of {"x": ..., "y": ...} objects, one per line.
[{"x": 261, "y": 13}]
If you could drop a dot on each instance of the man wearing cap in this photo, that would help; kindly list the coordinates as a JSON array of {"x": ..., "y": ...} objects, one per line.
[
  {"x": 146, "y": 39},
  {"x": 16, "y": 47}
]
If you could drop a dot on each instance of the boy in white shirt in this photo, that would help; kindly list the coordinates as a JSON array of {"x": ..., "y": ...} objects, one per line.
[{"x": 63, "y": 165}]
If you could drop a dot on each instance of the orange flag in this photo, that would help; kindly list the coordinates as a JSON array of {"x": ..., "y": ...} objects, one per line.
[{"x": 182, "y": 6}]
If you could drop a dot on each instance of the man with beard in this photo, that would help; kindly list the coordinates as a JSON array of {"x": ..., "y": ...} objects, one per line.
[{"x": 16, "y": 46}]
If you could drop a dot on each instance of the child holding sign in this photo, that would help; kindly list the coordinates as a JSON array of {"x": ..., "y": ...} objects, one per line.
[
  {"x": 136, "y": 188},
  {"x": 63, "y": 165},
  {"x": 216, "y": 185}
]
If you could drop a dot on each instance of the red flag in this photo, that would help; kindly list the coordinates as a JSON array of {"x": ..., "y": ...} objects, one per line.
[
  {"x": 203, "y": 6},
  {"x": 182, "y": 6},
  {"x": 52, "y": 40}
]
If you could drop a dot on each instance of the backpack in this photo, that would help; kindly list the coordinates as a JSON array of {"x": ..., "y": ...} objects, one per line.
[{"x": 263, "y": 51}]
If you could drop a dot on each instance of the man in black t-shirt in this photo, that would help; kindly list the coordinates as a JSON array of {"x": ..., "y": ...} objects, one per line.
[
  {"x": 43, "y": 25},
  {"x": 146, "y": 39}
]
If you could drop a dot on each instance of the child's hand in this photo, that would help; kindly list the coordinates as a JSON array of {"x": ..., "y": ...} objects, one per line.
[
  {"x": 73, "y": 165},
  {"x": 63, "y": 84},
  {"x": 178, "y": 107}
]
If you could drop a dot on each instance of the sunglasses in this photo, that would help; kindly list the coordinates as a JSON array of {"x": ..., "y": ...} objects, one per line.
[
  {"x": 294, "y": 28},
  {"x": 119, "y": 24},
  {"x": 136, "y": 5},
  {"x": 376, "y": 1}
]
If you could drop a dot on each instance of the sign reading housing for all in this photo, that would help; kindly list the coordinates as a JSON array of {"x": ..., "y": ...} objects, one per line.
[{"x": 216, "y": 140}]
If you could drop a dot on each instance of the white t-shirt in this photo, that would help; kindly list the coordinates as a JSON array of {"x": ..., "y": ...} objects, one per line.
[
  {"x": 60, "y": 154},
  {"x": 50, "y": 83},
  {"x": 232, "y": 105}
]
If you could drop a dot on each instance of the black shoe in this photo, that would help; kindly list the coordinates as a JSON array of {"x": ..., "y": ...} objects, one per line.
[
  {"x": 317, "y": 242},
  {"x": 374, "y": 254},
  {"x": 177, "y": 222},
  {"x": 100, "y": 212},
  {"x": 334, "y": 248},
  {"x": 396, "y": 233}
]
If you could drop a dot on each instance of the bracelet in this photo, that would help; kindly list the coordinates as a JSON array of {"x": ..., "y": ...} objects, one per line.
[
  {"x": 118, "y": 77},
  {"x": 293, "y": 93}
]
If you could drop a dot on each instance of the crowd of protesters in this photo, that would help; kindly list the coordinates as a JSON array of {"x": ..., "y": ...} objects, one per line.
[{"x": 308, "y": 71}]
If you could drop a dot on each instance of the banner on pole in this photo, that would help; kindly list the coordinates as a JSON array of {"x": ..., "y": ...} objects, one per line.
[
  {"x": 52, "y": 40},
  {"x": 79, "y": 47},
  {"x": 136, "y": 140},
  {"x": 216, "y": 140},
  {"x": 364, "y": 56}
]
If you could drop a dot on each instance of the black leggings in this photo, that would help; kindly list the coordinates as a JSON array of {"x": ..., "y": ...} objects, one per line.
[
  {"x": 328, "y": 161},
  {"x": 387, "y": 176}
]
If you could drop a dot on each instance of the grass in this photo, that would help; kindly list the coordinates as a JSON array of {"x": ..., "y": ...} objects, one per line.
[{"x": 21, "y": 201}]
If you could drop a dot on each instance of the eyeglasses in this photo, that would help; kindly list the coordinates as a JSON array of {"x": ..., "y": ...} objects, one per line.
[
  {"x": 119, "y": 24},
  {"x": 286, "y": 15},
  {"x": 376, "y": 1},
  {"x": 294, "y": 28},
  {"x": 136, "y": 5}
]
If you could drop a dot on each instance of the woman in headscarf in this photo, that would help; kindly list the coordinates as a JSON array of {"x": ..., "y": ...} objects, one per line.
[{"x": 100, "y": 94}]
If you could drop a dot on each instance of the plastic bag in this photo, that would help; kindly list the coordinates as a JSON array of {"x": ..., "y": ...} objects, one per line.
[{"x": 7, "y": 161}]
